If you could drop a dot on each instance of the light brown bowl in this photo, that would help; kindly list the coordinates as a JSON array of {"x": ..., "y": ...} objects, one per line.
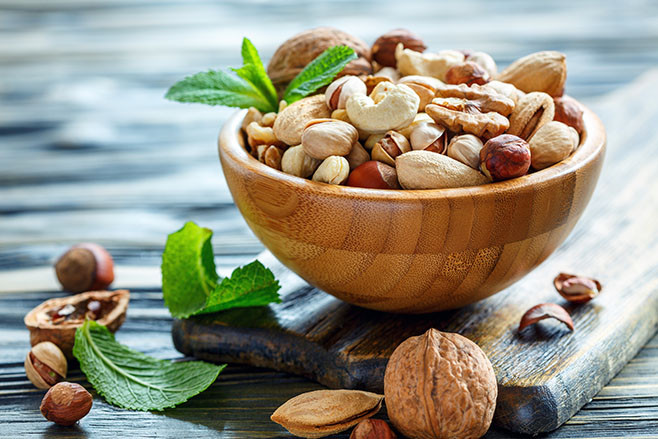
[{"x": 412, "y": 251}]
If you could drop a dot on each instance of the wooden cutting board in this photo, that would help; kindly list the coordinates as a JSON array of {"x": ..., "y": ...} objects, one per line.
[{"x": 545, "y": 374}]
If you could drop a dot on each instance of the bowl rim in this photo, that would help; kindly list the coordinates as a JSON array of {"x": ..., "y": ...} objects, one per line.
[{"x": 593, "y": 140}]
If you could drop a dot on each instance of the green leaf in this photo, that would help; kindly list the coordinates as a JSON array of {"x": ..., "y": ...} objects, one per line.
[
  {"x": 190, "y": 284},
  {"x": 254, "y": 72},
  {"x": 319, "y": 72},
  {"x": 216, "y": 87},
  {"x": 132, "y": 380}
]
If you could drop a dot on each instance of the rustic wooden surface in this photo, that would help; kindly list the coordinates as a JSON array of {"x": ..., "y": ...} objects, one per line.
[
  {"x": 89, "y": 150},
  {"x": 412, "y": 251}
]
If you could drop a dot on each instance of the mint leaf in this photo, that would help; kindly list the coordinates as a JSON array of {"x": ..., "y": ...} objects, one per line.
[
  {"x": 190, "y": 284},
  {"x": 254, "y": 72},
  {"x": 216, "y": 87},
  {"x": 133, "y": 380},
  {"x": 319, "y": 72}
]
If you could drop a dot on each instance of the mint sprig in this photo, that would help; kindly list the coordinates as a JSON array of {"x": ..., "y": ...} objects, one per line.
[
  {"x": 132, "y": 380},
  {"x": 319, "y": 72},
  {"x": 190, "y": 284},
  {"x": 251, "y": 87}
]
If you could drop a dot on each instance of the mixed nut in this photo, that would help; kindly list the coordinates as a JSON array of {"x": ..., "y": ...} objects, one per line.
[{"x": 401, "y": 117}]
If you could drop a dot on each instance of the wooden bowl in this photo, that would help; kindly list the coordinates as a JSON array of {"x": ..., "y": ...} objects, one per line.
[{"x": 412, "y": 251}]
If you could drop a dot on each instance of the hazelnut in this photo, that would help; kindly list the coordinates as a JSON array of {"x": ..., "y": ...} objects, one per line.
[
  {"x": 440, "y": 385},
  {"x": 332, "y": 170},
  {"x": 85, "y": 267},
  {"x": 341, "y": 89},
  {"x": 383, "y": 50},
  {"x": 504, "y": 157},
  {"x": 569, "y": 112},
  {"x": 45, "y": 365},
  {"x": 323, "y": 138},
  {"x": 429, "y": 137},
  {"x": 466, "y": 149},
  {"x": 468, "y": 73},
  {"x": 389, "y": 147},
  {"x": 372, "y": 429},
  {"x": 66, "y": 403},
  {"x": 374, "y": 175},
  {"x": 484, "y": 60}
]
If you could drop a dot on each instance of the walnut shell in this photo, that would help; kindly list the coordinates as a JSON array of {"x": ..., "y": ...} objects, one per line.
[
  {"x": 42, "y": 328},
  {"x": 440, "y": 385},
  {"x": 295, "y": 53}
]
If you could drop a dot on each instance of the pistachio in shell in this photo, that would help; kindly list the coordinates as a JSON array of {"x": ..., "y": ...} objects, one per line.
[{"x": 56, "y": 320}]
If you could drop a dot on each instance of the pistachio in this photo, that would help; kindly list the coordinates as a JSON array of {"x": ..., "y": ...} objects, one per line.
[
  {"x": 45, "y": 365},
  {"x": 296, "y": 162},
  {"x": 389, "y": 147},
  {"x": 341, "y": 89},
  {"x": 419, "y": 119},
  {"x": 541, "y": 71},
  {"x": 332, "y": 170},
  {"x": 327, "y": 137},
  {"x": 428, "y": 170},
  {"x": 324, "y": 412},
  {"x": 429, "y": 137},
  {"x": 466, "y": 149},
  {"x": 531, "y": 112},
  {"x": 551, "y": 144}
]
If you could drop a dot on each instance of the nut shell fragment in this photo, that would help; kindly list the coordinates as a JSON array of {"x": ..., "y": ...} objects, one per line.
[
  {"x": 324, "y": 412},
  {"x": 546, "y": 311},
  {"x": 42, "y": 328},
  {"x": 440, "y": 385},
  {"x": 577, "y": 289}
]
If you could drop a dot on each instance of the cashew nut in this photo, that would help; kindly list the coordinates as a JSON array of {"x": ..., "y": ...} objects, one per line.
[{"x": 388, "y": 107}]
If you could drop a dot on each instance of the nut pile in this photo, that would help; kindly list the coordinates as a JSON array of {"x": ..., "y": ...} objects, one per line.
[{"x": 401, "y": 117}]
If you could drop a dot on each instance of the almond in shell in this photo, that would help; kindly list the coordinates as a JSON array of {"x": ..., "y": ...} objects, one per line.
[{"x": 324, "y": 412}]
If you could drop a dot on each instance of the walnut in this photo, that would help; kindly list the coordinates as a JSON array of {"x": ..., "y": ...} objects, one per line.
[
  {"x": 440, "y": 385},
  {"x": 295, "y": 53},
  {"x": 487, "y": 98},
  {"x": 463, "y": 115}
]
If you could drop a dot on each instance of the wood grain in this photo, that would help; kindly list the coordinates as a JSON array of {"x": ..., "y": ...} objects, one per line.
[{"x": 412, "y": 251}]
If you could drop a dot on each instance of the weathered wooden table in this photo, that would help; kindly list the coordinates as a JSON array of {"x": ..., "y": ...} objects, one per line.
[{"x": 89, "y": 151}]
